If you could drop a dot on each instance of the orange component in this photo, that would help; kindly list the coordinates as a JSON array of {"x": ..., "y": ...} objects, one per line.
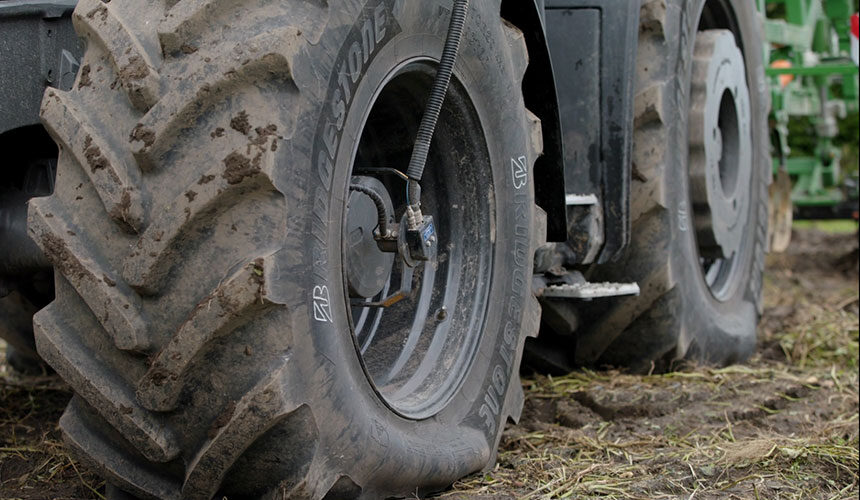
[{"x": 783, "y": 63}]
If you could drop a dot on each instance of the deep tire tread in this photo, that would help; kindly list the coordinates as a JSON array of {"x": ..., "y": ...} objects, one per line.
[
  {"x": 101, "y": 388},
  {"x": 648, "y": 106},
  {"x": 231, "y": 304},
  {"x": 98, "y": 21},
  {"x": 652, "y": 18},
  {"x": 216, "y": 191},
  {"x": 159, "y": 130},
  {"x": 260, "y": 409},
  {"x": 187, "y": 21},
  {"x": 100, "y": 454},
  {"x": 111, "y": 177},
  {"x": 113, "y": 303},
  {"x": 519, "y": 52}
]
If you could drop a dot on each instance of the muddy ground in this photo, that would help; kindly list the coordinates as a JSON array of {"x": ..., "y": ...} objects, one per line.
[{"x": 783, "y": 425}]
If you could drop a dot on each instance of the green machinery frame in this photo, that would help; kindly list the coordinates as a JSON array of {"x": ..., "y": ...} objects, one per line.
[{"x": 810, "y": 41}]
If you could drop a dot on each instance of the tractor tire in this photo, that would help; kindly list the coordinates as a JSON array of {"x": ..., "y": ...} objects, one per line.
[
  {"x": 679, "y": 315},
  {"x": 198, "y": 232}
]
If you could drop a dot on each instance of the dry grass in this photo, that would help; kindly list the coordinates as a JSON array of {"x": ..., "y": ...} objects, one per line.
[
  {"x": 784, "y": 425},
  {"x": 33, "y": 462},
  {"x": 709, "y": 446}
]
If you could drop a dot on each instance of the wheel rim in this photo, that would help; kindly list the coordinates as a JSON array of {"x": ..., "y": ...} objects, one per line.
[
  {"x": 416, "y": 352},
  {"x": 720, "y": 166}
]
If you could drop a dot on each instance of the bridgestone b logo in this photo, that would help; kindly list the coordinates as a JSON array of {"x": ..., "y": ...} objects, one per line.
[{"x": 519, "y": 172}]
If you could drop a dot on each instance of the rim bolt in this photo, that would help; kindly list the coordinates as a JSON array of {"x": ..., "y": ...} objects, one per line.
[{"x": 442, "y": 314}]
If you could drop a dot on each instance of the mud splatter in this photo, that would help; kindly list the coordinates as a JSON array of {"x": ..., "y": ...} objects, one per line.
[
  {"x": 136, "y": 69},
  {"x": 239, "y": 167},
  {"x": 241, "y": 124},
  {"x": 142, "y": 134},
  {"x": 85, "y": 80},
  {"x": 205, "y": 179},
  {"x": 94, "y": 156}
]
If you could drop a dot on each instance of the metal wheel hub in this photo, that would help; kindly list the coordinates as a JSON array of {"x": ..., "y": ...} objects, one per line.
[
  {"x": 368, "y": 268},
  {"x": 720, "y": 144},
  {"x": 418, "y": 302}
]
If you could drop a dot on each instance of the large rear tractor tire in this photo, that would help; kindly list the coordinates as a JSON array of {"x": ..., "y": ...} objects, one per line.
[
  {"x": 218, "y": 279},
  {"x": 699, "y": 194}
]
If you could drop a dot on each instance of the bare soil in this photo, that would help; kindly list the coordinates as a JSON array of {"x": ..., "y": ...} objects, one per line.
[{"x": 783, "y": 425}]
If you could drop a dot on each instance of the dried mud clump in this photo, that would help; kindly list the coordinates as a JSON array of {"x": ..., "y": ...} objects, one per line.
[
  {"x": 85, "y": 80},
  {"x": 143, "y": 134},
  {"x": 121, "y": 211},
  {"x": 136, "y": 69},
  {"x": 94, "y": 156},
  {"x": 239, "y": 167},
  {"x": 101, "y": 10},
  {"x": 205, "y": 179},
  {"x": 241, "y": 124}
]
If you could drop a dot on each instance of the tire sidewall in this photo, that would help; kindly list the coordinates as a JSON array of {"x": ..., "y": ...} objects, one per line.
[
  {"x": 712, "y": 330},
  {"x": 356, "y": 426}
]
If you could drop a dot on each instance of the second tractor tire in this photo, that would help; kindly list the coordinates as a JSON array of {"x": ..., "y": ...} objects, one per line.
[{"x": 677, "y": 316}]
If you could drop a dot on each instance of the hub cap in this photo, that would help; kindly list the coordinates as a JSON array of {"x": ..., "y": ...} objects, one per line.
[{"x": 369, "y": 268}]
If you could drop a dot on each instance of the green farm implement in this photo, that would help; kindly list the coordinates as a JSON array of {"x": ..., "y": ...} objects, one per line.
[{"x": 812, "y": 74}]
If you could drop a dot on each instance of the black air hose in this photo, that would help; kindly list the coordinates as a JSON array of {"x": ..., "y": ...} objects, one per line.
[
  {"x": 437, "y": 98},
  {"x": 381, "y": 211}
]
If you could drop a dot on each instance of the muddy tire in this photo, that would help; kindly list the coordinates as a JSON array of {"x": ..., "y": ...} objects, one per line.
[
  {"x": 679, "y": 314},
  {"x": 202, "y": 314}
]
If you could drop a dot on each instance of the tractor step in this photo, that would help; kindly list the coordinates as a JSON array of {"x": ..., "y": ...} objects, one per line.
[
  {"x": 566, "y": 284},
  {"x": 588, "y": 291}
]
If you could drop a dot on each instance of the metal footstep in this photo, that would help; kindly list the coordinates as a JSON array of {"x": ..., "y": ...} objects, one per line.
[{"x": 588, "y": 291}]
